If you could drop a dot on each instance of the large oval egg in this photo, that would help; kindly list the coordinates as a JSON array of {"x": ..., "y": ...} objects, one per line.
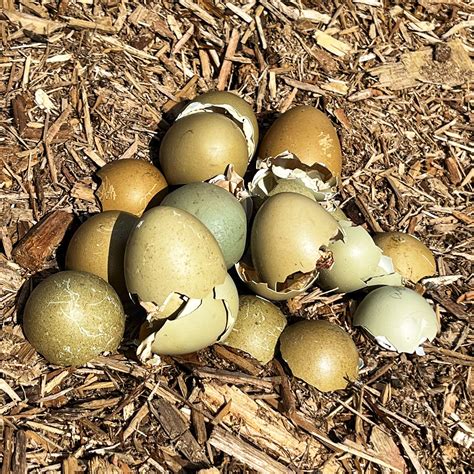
[{"x": 308, "y": 134}]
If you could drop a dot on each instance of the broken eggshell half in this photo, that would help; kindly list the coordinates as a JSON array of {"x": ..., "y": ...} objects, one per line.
[
  {"x": 357, "y": 263},
  {"x": 194, "y": 326}
]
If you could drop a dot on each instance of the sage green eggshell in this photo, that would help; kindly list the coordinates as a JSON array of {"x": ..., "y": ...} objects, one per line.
[
  {"x": 292, "y": 186},
  {"x": 72, "y": 317},
  {"x": 320, "y": 353},
  {"x": 400, "y": 315},
  {"x": 200, "y": 146},
  {"x": 219, "y": 211},
  {"x": 171, "y": 251},
  {"x": 257, "y": 329}
]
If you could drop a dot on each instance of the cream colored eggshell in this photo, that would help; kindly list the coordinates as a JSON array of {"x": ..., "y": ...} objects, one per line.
[
  {"x": 400, "y": 315},
  {"x": 287, "y": 237}
]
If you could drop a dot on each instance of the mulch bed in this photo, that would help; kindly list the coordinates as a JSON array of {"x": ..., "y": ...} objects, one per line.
[{"x": 83, "y": 83}]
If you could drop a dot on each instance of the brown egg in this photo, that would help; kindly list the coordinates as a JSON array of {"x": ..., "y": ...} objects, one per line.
[
  {"x": 320, "y": 353},
  {"x": 411, "y": 257},
  {"x": 98, "y": 247},
  {"x": 257, "y": 329},
  {"x": 308, "y": 134},
  {"x": 131, "y": 186},
  {"x": 200, "y": 146},
  {"x": 288, "y": 237}
]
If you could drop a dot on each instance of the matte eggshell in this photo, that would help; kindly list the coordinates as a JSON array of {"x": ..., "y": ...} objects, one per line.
[
  {"x": 307, "y": 133},
  {"x": 400, "y": 315},
  {"x": 411, "y": 257},
  {"x": 200, "y": 146},
  {"x": 292, "y": 186},
  {"x": 320, "y": 353},
  {"x": 130, "y": 185},
  {"x": 72, "y": 317},
  {"x": 170, "y": 251},
  {"x": 98, "y": 247},
  {"x": 219, "y": 211}
]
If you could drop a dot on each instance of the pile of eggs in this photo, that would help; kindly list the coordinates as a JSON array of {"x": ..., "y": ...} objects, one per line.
[{"x": 280, "y": 232}]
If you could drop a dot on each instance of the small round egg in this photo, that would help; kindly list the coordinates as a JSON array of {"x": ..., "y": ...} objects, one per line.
[
  {"x": 130, "y": 185},
  {"x": 98, "y": 247},
  {"x": 257, "y": 328},
  {"x": 219, "y": 211},
  {"x": 320, "y": 353},
  {"x": 411, "y": 257},
  {"x": 72, "y": 317},
  {"x": 398, "y": 318},
  {"x": 308, "y": 134},
  {"x": 200, "y": 146}
]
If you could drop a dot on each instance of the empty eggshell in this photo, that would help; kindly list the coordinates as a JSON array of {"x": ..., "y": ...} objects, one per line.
[
  {"x": 170, "y": 254},
  {"x": 98, "y": 247},
  {"x": 219, "y": 211},
  {"x": 131, "y": 186},
  {"x": 288, "y": 237},
  {"x": 72, "y": 317},
  {"x": 320, "y": 353},
  {"x": 257, "y": 328},
  {"x": 411, "y": 257},
  {"x": 308, "y": 134},
  {"x": 398, "y": 318},
  {"x": 200, "y": 146}
]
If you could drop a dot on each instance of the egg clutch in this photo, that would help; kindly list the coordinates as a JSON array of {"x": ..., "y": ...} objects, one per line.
[{"x": 278, "y": 229}]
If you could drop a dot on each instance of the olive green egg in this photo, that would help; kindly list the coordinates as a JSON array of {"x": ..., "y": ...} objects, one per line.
[
  {"x": 219, "y": 211},
  {"x": 292, "y": 186},
  {"x": 72, "y": 317}
]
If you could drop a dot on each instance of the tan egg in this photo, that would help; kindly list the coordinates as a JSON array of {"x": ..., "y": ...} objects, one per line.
[
  {"x": 200, "y": 146},
  {"x": 308, "y": 134},
  {"x": 98, "y": 247},
  {"x": 411, "y": 257},
  {"x": 170, "y": 252},
  {"x": 228, "y": 98},
  {"x": 320, "y": 353},
  {"x": 288, "y": 237},
  {"x": 257, "y": 329},
  {"x": 197, "y": 326},
  {"x": 131, "y": 186}
]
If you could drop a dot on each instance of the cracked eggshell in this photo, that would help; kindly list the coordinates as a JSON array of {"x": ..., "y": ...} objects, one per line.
[
  {"x": 196, "y": 327},
  {"x": 130, "y": 185},
  {"x": 411, "y": 257},
  {"x": 308, "y": 134},
  {"x": 98, "y": 247},
  {"x": 171, "y": 253},
  {"x": 219, "y": 211},
  {"x": 356, "y": 260},
  {"x": 200, "y": 146},
  {"x": 320, "y": 353},
  {"x": 72, "y": 317},
  {"x": 288, "y": 236},
  {"x": 257, "y": 329},
  {"x": 398, "y": 315}
]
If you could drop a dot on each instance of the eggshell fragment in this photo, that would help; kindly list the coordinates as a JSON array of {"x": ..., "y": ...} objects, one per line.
[
  {"x": 257, "y": 328},
  {"x": 320, "y": 353},
  {"x": 399, "y": 316}
]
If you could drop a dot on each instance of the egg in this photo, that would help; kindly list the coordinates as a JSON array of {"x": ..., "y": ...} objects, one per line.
[
  {"x": 338, "y": 214},
  {"x": 193, "y": 328},
  {"x": 219, "y": 211},
  {"x": 200, "y": 146},
  {"x": 320, "y": 353},
  {"x": 235, "y": 105},
  {"x": 257, "y": 328},
  {"x": 411, "y": 257},
  {"x": 130, "y": 185},
  {"x": 98, "y": 247},
  {"x": 398, "y": 318},
  {"x": 72, "y": 317},
  {"x": 308, "y": 134},
  {"x": 288, "y": 237},
  {"x": 356, "y": 262},
  {"x": 292, "y": 186},
  {"x": 171, "y": 252}
]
